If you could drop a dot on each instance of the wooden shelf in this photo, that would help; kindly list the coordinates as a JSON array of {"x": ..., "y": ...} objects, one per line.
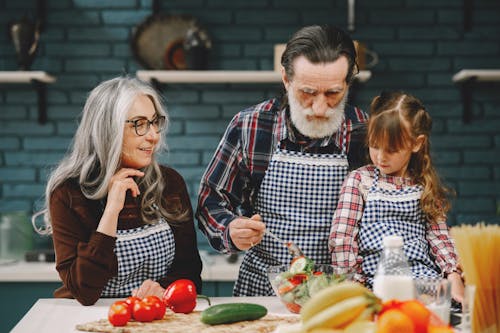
[
  {"x": 467, "y": 78},
  {"x": 477, "y": 74},
  {"x": 181, "y": 76},
  {"x": 25, "y": 77},
  {"x": 39, "y": 79}
]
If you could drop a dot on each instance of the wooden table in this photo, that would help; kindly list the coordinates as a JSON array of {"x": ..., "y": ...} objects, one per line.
[{"x": 62, "y": 315}]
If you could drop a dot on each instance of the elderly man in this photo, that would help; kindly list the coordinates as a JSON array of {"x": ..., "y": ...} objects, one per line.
[{"x": 281, "y": 164}]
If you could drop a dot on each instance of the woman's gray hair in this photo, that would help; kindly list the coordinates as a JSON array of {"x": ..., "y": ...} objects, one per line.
[
  {"x": 95, "y": 153},
  {"x": 320, "y": 44}
]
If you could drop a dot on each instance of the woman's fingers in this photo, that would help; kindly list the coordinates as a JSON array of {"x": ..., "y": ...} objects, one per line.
[{"x": 148, "y": 288}]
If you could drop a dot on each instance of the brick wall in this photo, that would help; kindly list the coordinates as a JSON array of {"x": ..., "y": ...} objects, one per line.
[{"x": 421, "y": 44}]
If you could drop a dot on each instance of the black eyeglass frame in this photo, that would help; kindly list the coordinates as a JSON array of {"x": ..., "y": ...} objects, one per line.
[{"x": 159, "y": 126}]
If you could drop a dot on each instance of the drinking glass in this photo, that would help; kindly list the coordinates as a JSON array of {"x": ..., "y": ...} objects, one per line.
[
  {"x": 468, "y": 308},
  {"x": 435, "y": 294}
]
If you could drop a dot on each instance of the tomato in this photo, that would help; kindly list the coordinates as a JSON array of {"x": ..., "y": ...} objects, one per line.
[
  {"x": 158, "y": 305},
  {"x": 131, "y": 300},
  {"x": 119, "y": 313},
  {"x": 293, "y": 307},
  {"x": 144, "y": 312},
  {"x": 297, "y": 279}
]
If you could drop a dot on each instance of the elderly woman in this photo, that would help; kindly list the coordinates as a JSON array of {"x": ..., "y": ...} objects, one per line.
[{"x": 121, "y": 223}]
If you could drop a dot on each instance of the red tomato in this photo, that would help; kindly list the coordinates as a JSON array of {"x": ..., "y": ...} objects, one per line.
[
  {"x": 158, "y": 305},
  {"x": 295, "y": 308},
  {"x": 297, "y": 279},
  {"x": 131, "y": 300},
  {"x": 144, "y": 312},
  {"x": 119, "y": 313}
]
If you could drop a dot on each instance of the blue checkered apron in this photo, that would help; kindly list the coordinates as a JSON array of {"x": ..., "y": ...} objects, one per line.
[
  {"x": 146, "y": 252},
  {"x": 394, "y": 212},
  {"x": 296, "y": 200}
]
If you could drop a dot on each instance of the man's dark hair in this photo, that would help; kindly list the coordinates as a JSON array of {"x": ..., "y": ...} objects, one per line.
[{"x": 320, "y": 44}]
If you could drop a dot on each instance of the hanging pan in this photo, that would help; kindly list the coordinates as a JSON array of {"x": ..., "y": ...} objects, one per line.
[{"x": 157, "y": 42}]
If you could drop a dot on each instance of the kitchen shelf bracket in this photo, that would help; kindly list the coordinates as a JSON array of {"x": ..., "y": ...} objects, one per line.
[
  {"x": 468, "y": 79},
  {"x": 41, "y": 90}
]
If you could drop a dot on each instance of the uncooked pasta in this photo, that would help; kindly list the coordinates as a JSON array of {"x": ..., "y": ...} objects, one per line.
[{"x": 478, "y": 247}]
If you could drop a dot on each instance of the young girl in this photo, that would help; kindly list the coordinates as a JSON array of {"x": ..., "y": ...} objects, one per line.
[{"x": 399, "y": 194}]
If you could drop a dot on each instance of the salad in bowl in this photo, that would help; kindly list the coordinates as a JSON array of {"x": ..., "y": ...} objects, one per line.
[{"x": 294, "y": 284}]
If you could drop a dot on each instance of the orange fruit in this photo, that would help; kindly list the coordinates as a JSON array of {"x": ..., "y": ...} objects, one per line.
[
  {"x": 390, "y": 304},
  {"x": 418, "y": 313},
  {"x": 440, "y": 329},
  {"x": 395, "y": 321}
]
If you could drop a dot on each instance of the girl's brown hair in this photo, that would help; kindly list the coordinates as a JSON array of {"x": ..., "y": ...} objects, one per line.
[{"x": 396, "y": 120}]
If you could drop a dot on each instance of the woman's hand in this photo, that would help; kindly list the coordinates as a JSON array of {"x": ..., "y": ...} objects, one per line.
[
  {"x": 120, "y": 183},
  {"x": 148, "y": 288},
  {"x": 246, "y": 232}
]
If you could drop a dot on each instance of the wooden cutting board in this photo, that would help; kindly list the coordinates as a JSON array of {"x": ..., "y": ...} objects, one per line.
[{"x": 184, "y": 323}]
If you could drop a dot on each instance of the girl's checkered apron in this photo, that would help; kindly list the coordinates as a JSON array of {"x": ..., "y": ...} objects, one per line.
[
  {"x": 296, "y": 200},
  {"x": 143, "y": 253},
  {"x": 394, "y": 212}
]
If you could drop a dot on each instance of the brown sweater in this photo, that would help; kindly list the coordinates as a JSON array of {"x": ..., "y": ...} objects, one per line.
[{"x": 85, "y": 258}]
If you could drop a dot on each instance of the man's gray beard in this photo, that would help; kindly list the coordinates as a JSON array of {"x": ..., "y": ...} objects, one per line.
[{"x": 315, "y": 128}]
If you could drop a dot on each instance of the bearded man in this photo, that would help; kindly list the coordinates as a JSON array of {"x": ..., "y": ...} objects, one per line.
[{"x": 281, "y": 163}]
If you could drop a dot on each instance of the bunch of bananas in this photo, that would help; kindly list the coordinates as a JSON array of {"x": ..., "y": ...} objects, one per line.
[{"x": 339, "y": 308}]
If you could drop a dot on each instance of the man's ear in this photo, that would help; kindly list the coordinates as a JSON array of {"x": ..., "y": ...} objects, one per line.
[
  {"x": 419, "y": 142},
  {"x": 284, "y": 78}
]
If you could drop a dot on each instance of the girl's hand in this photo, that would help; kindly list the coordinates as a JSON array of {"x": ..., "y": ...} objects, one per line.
[
  {"x": 120, "y": 183},
  {"x": 148, "y": 288},
  {"x": 457, "y": 286}
]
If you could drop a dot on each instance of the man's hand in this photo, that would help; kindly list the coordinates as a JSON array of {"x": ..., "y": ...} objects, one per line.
[{"x": 246, "y": 232}]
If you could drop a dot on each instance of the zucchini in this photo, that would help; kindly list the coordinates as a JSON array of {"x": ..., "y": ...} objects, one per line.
[{"x": 232, "y": 312}]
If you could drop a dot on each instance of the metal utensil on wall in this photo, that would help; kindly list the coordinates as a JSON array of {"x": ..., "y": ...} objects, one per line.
[{"x": 25, "y": 34}]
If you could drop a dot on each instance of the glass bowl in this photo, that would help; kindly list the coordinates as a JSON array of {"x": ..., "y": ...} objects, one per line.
[{"x": 295, "y": 289}]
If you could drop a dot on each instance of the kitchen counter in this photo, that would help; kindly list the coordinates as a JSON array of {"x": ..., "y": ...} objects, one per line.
[
  {"x": 215, "y": 268},
  {"x": 62, "y": 315},
  {"x": 26, "y": 282}
]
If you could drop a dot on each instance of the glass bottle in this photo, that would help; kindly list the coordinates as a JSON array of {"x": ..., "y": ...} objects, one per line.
[{"x": 393, "y": 278}]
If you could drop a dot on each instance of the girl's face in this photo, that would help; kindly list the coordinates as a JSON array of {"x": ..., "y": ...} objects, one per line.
[
  {"x": 394, "y": 162},
  {"x": 137, "y": 151}
]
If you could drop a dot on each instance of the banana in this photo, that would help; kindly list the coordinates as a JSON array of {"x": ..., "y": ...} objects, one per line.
[
  {"x": 366, "y": 315},
  {"x": 329, "y": 296},
  {"x": 339, "y": 314},
  {"x": 361, "y": 327}
]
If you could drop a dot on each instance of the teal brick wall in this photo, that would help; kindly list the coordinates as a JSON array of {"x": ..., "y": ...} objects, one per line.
[{"x": 421, "y": 44}]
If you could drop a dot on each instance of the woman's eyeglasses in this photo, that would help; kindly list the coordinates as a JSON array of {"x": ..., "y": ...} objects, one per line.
[{"x": 142, "y": 125}]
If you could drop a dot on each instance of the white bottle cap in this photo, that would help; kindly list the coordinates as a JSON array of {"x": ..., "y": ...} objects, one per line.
[{"x": 393, "y": 241}]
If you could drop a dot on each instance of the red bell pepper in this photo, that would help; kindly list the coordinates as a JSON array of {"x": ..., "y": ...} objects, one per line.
[{"x": 180, "y": 296}]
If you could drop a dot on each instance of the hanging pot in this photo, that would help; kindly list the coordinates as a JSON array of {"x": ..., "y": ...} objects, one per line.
[{"x": 24, "y": 35}]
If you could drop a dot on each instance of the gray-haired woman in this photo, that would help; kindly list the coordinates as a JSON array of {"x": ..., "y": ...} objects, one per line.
[{"x": 121, "y": 223}]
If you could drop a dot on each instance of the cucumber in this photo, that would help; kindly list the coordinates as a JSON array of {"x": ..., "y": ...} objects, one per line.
[
  {"x": 301, "y": 264},
  {"x": 232, "y": 312}
]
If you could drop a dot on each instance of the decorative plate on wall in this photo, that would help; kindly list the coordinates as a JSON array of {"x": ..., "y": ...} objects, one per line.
[{"x": 158, "y": 41}]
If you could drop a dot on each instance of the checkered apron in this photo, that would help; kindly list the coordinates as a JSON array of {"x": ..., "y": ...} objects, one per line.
[
  {"x": 394, "y": 212},
  {"x": 143, "y": 253},
  {"x": 296, "y": 200}
]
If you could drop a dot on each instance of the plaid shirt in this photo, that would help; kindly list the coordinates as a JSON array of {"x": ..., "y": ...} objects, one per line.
[
  {"x": 343, "y": 242},
  {"x": 230, "y": 184}
]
